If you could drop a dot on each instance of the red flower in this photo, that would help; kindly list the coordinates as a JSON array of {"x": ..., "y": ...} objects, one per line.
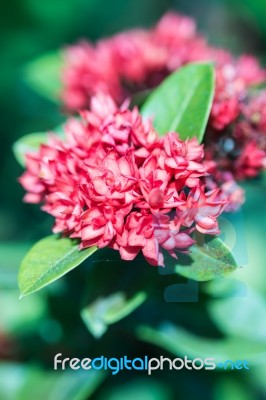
[
  {"x": 224, "y": 112},
  {"x": 251, "y": 160},
  {"x": 202, "y": 208},
  {"x": 100, "y": 188},
  {"x": 87, "y": 70}
]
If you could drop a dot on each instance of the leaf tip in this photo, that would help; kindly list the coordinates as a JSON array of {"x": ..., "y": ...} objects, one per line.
[{"x": 21, "y": 296}]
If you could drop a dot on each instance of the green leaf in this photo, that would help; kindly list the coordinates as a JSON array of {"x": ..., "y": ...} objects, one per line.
[
  {"x": 43, "y": 75},
  {"x": 181, "y": 342},
  {"x": 108, "y": 310},
  {"x": 209, "y": 258},
  {"x": 183, "y": 101},
  {"x": 31, "y": 143},
  {"x": 48, "y": 260}
]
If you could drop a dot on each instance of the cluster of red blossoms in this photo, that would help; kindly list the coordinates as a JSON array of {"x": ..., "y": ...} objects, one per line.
[
  {"x": 136, "y": 60},
  {"x": 113, "y": 182}
]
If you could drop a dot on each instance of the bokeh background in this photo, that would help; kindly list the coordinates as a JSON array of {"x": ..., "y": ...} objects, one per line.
[{"x": 34, "y": 329}]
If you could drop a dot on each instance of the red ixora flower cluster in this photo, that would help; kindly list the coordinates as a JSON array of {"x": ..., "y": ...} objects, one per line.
[
  {"x": 113, "y": 182},
  {"x": 136, "y": 60}
]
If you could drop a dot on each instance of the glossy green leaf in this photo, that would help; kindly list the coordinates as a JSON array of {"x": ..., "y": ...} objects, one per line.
[
  {"x": 181, "y": 342},
  {"x": 43, "y": 75},
  {"x": 106, "y": 311},
  {"x": 182, "y": 103},
  {"x": 209, "y": 258},
  {"x": 31, "y": 143},
  {"x": 48, "y": 260}
]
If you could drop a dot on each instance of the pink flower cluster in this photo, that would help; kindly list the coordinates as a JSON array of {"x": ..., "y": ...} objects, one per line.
[
  {"x": 137, "y": 60},
  {"x": 140, "y": 59},
  {"x": 113, "y": 182},
  {"x": 240, "y": 151}
]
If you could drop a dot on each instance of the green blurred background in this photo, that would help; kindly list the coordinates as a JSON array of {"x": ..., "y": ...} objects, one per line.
[{"x": 33, "y": 330}]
